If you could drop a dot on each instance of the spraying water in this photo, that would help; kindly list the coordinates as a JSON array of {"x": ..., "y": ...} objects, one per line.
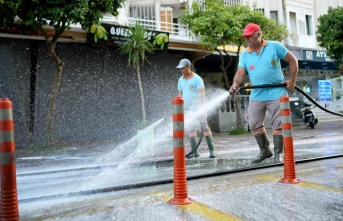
[
  {"x": 126, "y": 157},
  {"x": 214, "y": 100}
]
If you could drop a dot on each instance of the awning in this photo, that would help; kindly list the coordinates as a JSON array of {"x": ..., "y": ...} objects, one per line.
[{"x": 326, "y": 65}]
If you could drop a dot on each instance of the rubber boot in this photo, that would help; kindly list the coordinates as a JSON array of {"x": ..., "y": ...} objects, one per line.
[
  {"x": 210, "y": 144},
  {"x": 278, "y": 148},
  {"x": 263, "y": 143},
  {"x": 193, "y": 143}
]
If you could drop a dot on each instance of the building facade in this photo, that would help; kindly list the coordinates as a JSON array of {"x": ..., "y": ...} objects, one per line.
[
  {"x": 299, "y": 16},
  {"x": 98, "y": 96}
]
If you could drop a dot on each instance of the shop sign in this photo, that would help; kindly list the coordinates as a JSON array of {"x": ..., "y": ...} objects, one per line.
[
  {"x": 312, "y": 55},
  {"x": 118, "y": 35},
  {"x": 325, "y": 92}
]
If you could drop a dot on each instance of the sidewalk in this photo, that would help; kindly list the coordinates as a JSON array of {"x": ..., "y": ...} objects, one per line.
[
  {"x": 325, "y": 134},
  {"x": 326, "y": 138}
]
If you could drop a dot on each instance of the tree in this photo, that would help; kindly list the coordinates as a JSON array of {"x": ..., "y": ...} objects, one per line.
[
  {"x": 330, "y": 33},
  {"x": 271, "y": 29},
  {"x": 136, "y": 47},
  {"x": 218, "y": 25},
  {"x": 210, "y": 22},
  {"x": 59, "y": 14},
  {"x": 7, "y": 12}
]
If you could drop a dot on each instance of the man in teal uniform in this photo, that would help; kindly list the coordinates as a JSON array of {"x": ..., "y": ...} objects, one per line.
[
  {"x": 261, "y": 61},
  {"x": 191, "y": 88}
]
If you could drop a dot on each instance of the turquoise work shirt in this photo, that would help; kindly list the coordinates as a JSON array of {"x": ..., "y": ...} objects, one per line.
[
  {"x": 265, "y": 68},
  {"x": 189, "y": 88}
]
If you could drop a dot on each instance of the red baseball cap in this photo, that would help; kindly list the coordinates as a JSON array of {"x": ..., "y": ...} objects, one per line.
[{"x": 250, "y": 29}]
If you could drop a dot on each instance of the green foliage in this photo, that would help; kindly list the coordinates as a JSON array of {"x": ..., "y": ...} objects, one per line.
[
  {"x": 239, "y": 131},
  {"x": 7, "y": 12},
  {"x": 271, "y": 30},
  {"x": 137, "y": 45},
  {"x": 219, "y": 25},
  {"x": 32, "y": 15},
  {"x": 210, "y": 24},
  {"x": 57, "y": 13},
  {"x": 330, "y": 33}
]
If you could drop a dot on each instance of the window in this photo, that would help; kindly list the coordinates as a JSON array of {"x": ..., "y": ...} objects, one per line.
[
  {"x": 305, "y": 23},
  {"x": 259, "y": 10},
  {"x": 309, "y": 24},
  {"x": 143, "y": 12},
  {"x": 146, "y": 15},
  {"x": 301, "y": 24},
  {"x": 293, "y": 22},
  {"x": 273, "y": 15}
]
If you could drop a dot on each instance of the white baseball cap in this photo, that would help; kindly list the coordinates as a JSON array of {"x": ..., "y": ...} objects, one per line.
[{"x": 184, "y": 62}]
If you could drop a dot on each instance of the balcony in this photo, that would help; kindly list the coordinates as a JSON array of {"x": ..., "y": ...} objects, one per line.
[
  {"x": 226, "y": 2},
  {"x": 163, "y": 16},
  {"x": 177, "y": 32}
]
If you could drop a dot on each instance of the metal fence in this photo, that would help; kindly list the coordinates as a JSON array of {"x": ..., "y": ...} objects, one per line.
[
  {"x": 226, "y": 2},
  {"x": 230, "y": 106}
]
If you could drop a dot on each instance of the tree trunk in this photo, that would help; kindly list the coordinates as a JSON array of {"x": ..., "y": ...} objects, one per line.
[
  {"x": 237, "y": 55},
  {"x": 54, "y": 92},
  {"x": 237, "y": 100},
  {"x": 224, "y": 67},
  {"x": 142, "y": 95}
]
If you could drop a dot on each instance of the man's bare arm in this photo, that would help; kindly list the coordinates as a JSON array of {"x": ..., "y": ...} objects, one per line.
[
  {"x": 237, "y": 80},
  {"x": 293, "y": 67}
]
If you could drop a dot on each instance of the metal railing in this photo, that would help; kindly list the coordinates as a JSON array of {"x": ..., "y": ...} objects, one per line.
[
  {"x": 175, "y": 30},
  {"x": 226, "y": 2},
  {"x": 230, "y": 106},
  {"x": 233, "y": 2}
]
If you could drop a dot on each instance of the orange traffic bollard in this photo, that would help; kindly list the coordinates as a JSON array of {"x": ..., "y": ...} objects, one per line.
[
  {"x": 289, "y": 161},
  {"x": 180, "y": 178},
  {"x": 9, "y": 199}
]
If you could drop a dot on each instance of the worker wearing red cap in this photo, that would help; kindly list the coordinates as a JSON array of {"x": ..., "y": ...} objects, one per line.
[{"x": 261, "y": 60}]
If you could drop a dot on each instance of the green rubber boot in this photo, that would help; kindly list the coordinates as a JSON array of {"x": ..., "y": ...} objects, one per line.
[
  {"x": 193, "y": 143},
  {"x": 263, "y": 143},
  {"x": 210, "y": 144},
  {"x": 278, "y": 148}
]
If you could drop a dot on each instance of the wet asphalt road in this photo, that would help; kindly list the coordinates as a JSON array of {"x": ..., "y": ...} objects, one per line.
[{"x": 80, "y": 168}]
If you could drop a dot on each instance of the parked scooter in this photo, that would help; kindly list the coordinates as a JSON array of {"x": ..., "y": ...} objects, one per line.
[{"x": 309, "y": 117}]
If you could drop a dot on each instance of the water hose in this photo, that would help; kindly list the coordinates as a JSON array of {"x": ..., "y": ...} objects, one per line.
[
  {"x": 298, "y": 89},
  {"x": 277, "y": 85},
  {"x": 201, "y": 135}
]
